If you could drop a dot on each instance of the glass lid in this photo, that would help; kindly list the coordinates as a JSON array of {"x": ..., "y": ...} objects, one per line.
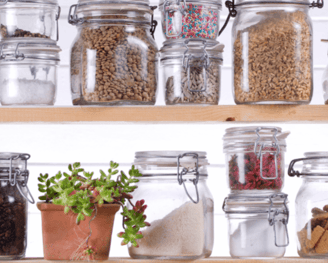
[
  {"x": 273, "y": 2},
  {"x": 49, "y": 2},
  {"x": 198, "y": 2}
]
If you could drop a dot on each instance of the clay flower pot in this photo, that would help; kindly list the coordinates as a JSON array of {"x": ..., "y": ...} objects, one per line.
[{"x": 63, "y": 239}]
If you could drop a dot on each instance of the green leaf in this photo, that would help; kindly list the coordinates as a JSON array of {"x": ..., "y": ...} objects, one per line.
[
  {"x": 43, "y": 198},
  {"x": 76, "y": 165},
  {"x": 70, "y": 167},
  {"x": 40, "y": 179},
  {"x": 58, "y": 175},
  {"x": 79, "y": 217},
  {"x": 48, "y": 183},
  {"x": 66, "y": 209}
]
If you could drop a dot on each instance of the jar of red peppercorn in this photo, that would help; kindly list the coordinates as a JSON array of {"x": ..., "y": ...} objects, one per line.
[
  {"x": 255, "y": 159},
  {"x": 190, "y": 18}
]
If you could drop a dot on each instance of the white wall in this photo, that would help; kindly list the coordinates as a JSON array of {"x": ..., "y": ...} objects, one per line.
[{"x": 53, "y": 146}]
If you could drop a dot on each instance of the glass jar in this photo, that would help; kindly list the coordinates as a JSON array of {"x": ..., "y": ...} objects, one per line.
[
  {"x": 180, "y": 207},
  {"x": 35, "y": 18},
  {"x": 257, "y": 225},
  {"x": 255, "y": 159},
  {"x": 272, "y": 52},
  {"x": 14, "y": 195},
  {"x": 114, "y": 56},
  {"x": 28, "y": 72},
  {"x": 192, "y": 71},
  {"x": 312, "y": 205},
  {"x": 325, "y": 81},
  {"x": 190, "y": 18}
]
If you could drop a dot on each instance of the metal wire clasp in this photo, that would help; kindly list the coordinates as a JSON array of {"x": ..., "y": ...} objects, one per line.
[
  {"x": 72, "y": 18},
  {"x": 318, "y": 4},
  {"x": 262, "y": 145},
  {"x": 232, "y": 13},
  {"x": 205, "y": 63},
  {"x": 272, "y": 218},
  {"x": 186, "y": 171},
  {"x": 17, "y": 55},
  {"x": 169, "y": 9},
  {"x": 153, "y": 23}
]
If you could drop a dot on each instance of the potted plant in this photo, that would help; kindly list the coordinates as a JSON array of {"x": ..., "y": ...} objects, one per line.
[{"x": 90, "y": 206}]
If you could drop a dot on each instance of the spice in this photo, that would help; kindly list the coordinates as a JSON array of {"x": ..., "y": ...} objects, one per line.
[
  {"x": 313, "y": 238},
  {"x": 114, "y": 64},
  {"x": 177, "y": 91},
  {"x": 273, "y": 59},
  {"x": 180, "y": 233},
  {"x": 5, "y": 33},
  {"x": 199, "y": 21},
  {"x": 25, "y": 91},
  {"x": 244, "y": 171}
]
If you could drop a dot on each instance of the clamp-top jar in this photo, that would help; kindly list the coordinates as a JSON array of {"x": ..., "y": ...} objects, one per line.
[
  {"x": 312, "y": 205},
  {"x": 272, "y": 51},
  {"x": 114, "y": 56},
  {"x": 33, "y": 18},
  {"x": 255, "y": 159},
  {"x": 325, "y": 81},
  {"x": 190, "y": 18},
  {"x": 257, "y": 225},
  {"x": 192, "y": 71},
  {"x": 28, "y": 72},
  {"x": 180, "y": 206},
  {"x": 14, "y": 195}
]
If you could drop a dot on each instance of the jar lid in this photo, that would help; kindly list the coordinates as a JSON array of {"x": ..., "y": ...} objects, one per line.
[
  {"x": 314, "y": 164},
  {"x": 196, "y": 2},
  {"x": 48, "y": 2},
  {"x": 21, "y": 49},
  {"x": 249, "y": 2}
]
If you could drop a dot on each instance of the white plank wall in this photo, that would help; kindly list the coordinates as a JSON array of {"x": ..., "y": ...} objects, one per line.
[{"x": 53, "y": 146}]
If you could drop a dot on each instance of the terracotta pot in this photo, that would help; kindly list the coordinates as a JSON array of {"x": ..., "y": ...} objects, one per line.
[{"x": 63, "y": 239}]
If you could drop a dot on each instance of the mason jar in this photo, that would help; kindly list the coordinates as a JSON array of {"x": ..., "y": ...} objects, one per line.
[
  {"x": 325, "y": 81},
  {"x": 272, "y": 52},
  {"x": 192, "y": 71},
  {"x": 14, "y": 195},
  {"x": 257, "y": 225},
  {"x": 28, "y": 72},
  {"x": 190, "y": 18},
  {"x": 255, "y": 159},
  {"x": 29, "y": 19},
  {"x": 312, "y": 205},
  {"x": 180, "y": 207},
  {"x": 114, "y": 55}
]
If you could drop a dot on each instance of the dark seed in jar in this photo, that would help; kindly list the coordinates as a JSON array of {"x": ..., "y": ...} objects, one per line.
[{"x": 20, "y": 33}]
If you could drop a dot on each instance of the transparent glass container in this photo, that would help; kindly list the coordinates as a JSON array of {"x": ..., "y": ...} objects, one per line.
[
  {"x": 255, "y": 159},
  {"x": 190, "y": 19},
  {"x": 114, "y": 58},
  {"x": 312, "y": 205},
  {"x": 180, "y": 207},
  {"x": 325, "y": 81},
  {"x": 272, "y": 52},
  {"x": 14, "y": 195},
  {"x": 28, "y": 72},
  {"x": 192, "y": 71},
  {"x": 29, "y": 19},
  {"x": 257, "y": 225}
]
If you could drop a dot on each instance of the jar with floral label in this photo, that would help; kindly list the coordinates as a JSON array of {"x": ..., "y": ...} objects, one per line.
[
  {"x": 312, "y": 205},
  {"x": 255, "y": 159},
  {"x": 180, "y": 206}
]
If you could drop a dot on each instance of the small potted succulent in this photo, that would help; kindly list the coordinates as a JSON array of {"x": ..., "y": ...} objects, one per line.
[{"x": 90, "y": 206}]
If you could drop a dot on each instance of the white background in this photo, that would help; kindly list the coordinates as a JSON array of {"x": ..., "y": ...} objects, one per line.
[{"x": 53, "y": 146}]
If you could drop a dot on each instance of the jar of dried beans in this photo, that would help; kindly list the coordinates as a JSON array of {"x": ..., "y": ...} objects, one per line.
[
  {"x": 29, "y": 19},
  {"x": 192, "y": 71},
  {"x": 14, "y": 195},
  {"x": 190, "y": 18},
  {"x": 257, "y": 225},
  {"x": 180, "y": 206},
  {"x": 114, "y": 56},
  {"x": 312, "y": 205},
  {"x": 255, "y": 159},
  {"x": 272, "y": 52},
  {"x": 28, "y": 72}
]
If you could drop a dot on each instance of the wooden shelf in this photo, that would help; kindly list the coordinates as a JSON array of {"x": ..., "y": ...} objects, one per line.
[
  {"x": 245, "y": 113},
  {"x": 208, "y": 260}
]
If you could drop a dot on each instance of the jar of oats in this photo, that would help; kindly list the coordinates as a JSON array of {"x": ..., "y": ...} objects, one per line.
[
  {"x": 192, "y": 71},
  {"x": 272, "y": 52},
  {"x": 114, "y": 55}
]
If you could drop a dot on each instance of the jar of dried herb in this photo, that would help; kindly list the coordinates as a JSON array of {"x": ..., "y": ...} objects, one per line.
[
  {"x": 180, "y": 206},
  {"x": 14, "y": 195},
  {"x": 272, "y": 51},
  {"x": 192, "y": 71},
  {"x": 255, "y": 159},
  {"x": 114, "y": 55},
  {"x": 311, "y": 205}
]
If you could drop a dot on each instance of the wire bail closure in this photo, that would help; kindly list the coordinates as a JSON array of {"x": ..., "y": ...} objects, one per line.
[
  {"x": 186, "y": 171},
  {"x": 318, "y": 4},
  {"x": 232, "y": 13},
  {"x": 17, "y": 56},
  {"x": 291, "y": 172},
  {"x": 177, "y": 7},
  {"x": 205, "y": 61},
  {"x": 153, "y": 23}
]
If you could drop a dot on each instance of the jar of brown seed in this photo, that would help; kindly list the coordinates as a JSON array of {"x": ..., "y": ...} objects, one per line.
[
  {"x": 114, "y": 56},
  {"x": 272, "y": 52},
  {"x": 192, "y": 71}
]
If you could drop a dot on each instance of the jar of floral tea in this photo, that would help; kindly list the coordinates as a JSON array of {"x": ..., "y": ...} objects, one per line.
[{"x": 255, "y": 159}]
